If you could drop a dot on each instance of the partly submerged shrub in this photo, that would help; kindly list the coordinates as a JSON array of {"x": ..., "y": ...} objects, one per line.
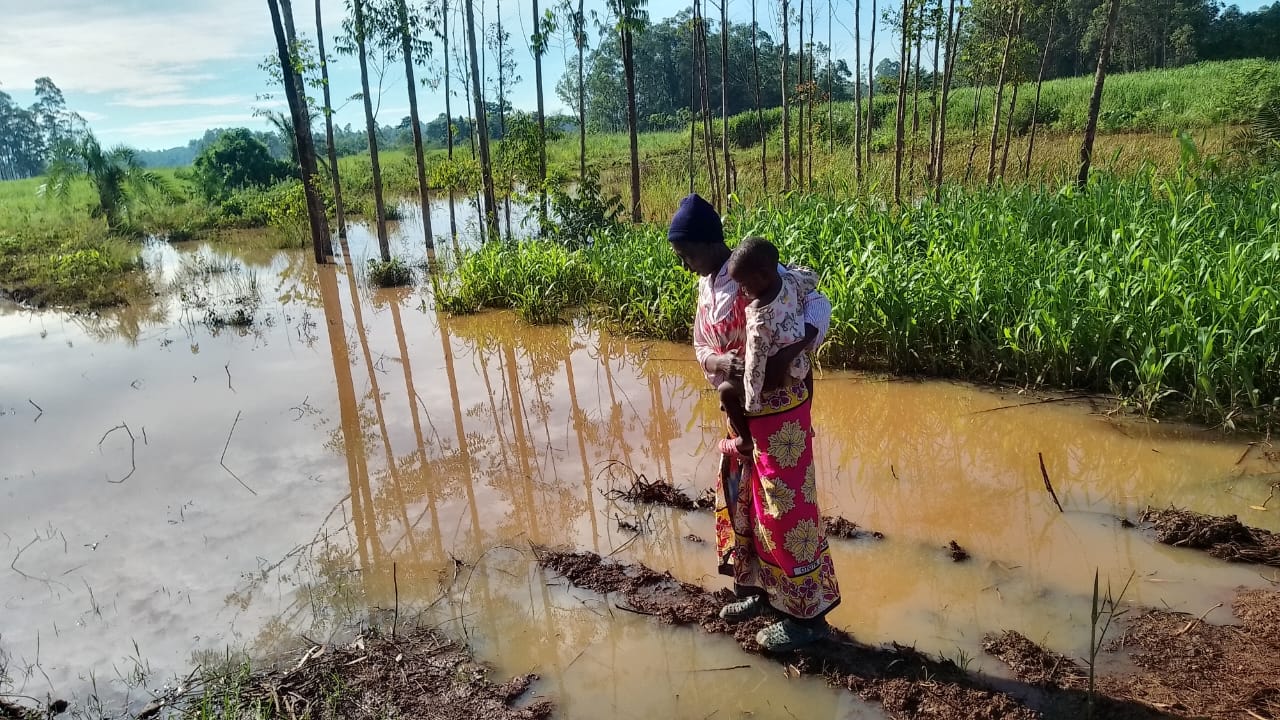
[{"x": 389, "y": 273}]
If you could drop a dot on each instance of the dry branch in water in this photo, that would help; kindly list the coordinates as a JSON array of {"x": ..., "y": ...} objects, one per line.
[
  {"x": 1048, "y": 485},
  {"x": 133, "y": 451},
  {"x": 223, "y": 460},
  {"x": 657, "y": 492}
]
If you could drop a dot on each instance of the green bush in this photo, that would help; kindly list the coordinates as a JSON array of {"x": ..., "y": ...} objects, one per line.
[
  {"x": 389, "y": 273},
  {"x": 235, "y": 161}
]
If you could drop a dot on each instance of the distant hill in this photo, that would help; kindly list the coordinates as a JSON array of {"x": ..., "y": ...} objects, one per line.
[{"x": 183, "y": 156}]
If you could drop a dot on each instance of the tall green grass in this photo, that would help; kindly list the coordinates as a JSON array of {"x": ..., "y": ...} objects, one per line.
[{"x": 1159, "y": 289}]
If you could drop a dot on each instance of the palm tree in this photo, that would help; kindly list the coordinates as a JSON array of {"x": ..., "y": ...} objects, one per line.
[{"x": 116, "y": 175}]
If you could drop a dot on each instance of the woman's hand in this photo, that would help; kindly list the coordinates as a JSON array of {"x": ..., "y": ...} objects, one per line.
[{"x": 727, "y": 364}]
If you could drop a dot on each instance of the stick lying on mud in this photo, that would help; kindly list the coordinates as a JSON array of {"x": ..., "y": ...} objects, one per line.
[{"x": 1225, "y": 538}]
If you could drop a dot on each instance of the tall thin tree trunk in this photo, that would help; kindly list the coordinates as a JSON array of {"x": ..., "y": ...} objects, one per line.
[
  {"x": 831, "y": 90},
  {"x": 997, "y": 105},
  {"x": 580, "y": 39},
  {"x": 904, "y": 65},
  {"x": 1095, "y": 101},
  {"x": 542, "y": 117},
  {"x": 317, "y": 217},
  {"x": 424, "y": 193},
  {"x": 371, "y": 128},
  {"x": 938, "y": 64},
  {"x": 786, "y": 95},
  {"x": 1008, "y": 130},
  {"x": 813, "y": 89},
  {"x": 755, "y": 64},
  {"x": 448, "y": 112},
  {"x": 973, "y": 147},
  {"x": 915, "y": 96},
  {"x": 708, "y": 137},
  {"x": 694, "y": 93},
  {"x": 800, "y": 100},
  {"x": 1035, "y": 109},
  {"x": 953, "y": 28},
  {"x": 857, "y": 91},
  {"x": 502, "y": 110},
  {"x": 724, "y": 97},
  {"x": 871, "y": 83},
  {"x": 328, "y": 127},
  {"x": 629, "y": 73},
  {"x": 481, "y": 125}
]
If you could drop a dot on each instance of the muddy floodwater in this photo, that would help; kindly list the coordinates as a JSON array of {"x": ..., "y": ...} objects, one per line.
[{"x": 178, "y": 481}]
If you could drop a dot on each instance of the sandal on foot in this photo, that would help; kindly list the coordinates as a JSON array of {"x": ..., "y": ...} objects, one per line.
[
  {"x": 744, "y": 609},
  {"x": 789, "y": 635}
]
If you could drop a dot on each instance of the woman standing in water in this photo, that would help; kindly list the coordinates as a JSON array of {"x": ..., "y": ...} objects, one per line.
[{"x": 769, "y": 535}]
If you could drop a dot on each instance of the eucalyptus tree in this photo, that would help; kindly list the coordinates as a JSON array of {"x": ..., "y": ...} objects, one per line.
[
  {"x": 118, "y": 169},
  {"x": 481, "y": 124},
  {"x": 1095, "y": 100},
  {"x": 339, "y": 210},
  {"x": 408, "y": 26}
]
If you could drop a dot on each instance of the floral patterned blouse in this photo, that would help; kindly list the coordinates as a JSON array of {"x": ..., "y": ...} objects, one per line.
[
  {"x": 771, "y": 327},
  {"x": 721, "y": 322}
]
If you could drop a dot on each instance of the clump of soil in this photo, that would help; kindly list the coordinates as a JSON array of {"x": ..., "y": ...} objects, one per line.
[
  {"x": 658, "y": 492},
  {"x": 907, "y": 683},
  {"x": 14, "y": 711},
  {"x": 1192, "y": 667},
  {"x": 1222, "y": 537},
  {"x": 838, "y": 527},
  {"x": 417, "y": 675},
  {"x": 957, "y": 553},
  {"x": 1032, "y": 663},
  {"x": 706, "y": 500},
  {"x": 1185, "y": 666}
]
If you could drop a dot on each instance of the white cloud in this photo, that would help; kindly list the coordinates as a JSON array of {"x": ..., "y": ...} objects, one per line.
[
  {"x": 159, "y": 133},
  {"x": 178, "y": 101},
  {"x": 157, "y": 50}
]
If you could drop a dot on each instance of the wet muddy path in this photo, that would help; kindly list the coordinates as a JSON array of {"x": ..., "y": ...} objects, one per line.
[{"x": 181, "y": 479}]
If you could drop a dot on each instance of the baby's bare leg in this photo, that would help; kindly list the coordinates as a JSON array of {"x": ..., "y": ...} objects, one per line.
[{"x": 733, "y": 402}]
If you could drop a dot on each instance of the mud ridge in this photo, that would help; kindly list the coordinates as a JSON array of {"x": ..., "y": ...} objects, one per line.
[
  {"x": 419, "y": 674},
  {"x": 839, "y": 527},
  {"x": 1225, "y": 538},
  {"x": 660, "y": 492},
  {"x": 1185, "y": 666},
  {"x": 907, "y": 683}
]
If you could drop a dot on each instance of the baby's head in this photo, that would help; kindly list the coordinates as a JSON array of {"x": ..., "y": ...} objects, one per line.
[{"x": 754, "y": 266}]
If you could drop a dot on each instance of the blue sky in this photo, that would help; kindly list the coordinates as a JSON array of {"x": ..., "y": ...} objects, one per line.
[{"x": 156, "y": 73}]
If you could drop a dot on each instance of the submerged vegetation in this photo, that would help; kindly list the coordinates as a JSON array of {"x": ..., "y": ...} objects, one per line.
[
  {"x": 389, "y": 273},
  {"x": 1157, "y": 289}
]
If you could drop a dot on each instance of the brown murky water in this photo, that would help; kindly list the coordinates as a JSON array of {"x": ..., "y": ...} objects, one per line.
[{"x": 326, "y": 466}]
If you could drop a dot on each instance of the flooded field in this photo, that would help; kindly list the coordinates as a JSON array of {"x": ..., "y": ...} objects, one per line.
[{"x": 275, "y": 451}]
